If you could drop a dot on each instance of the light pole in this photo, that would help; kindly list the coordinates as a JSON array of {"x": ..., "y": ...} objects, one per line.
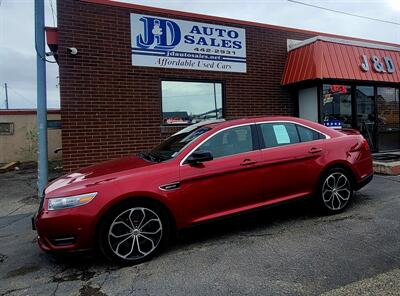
[{"x": 41, "y": 97}]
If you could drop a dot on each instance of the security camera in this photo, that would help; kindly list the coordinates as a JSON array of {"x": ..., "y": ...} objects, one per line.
[{"x": 72, "y": 50}]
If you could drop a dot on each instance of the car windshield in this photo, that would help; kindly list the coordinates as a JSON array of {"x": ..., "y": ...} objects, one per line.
[{"x": 173, "y": 145}]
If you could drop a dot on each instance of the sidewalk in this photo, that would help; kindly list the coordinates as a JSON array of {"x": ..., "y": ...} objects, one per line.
[{"x": 387, "y": 163}]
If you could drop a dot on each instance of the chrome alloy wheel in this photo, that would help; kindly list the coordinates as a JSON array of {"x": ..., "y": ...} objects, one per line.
[
  {"x": 135, "y": 233},
  {"x": 336, "y": 191}
]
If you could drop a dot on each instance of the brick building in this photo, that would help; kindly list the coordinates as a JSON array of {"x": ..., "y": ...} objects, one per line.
[{"x": 137, "y": 78}]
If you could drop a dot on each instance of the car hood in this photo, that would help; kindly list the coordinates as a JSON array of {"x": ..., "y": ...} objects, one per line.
[{"x": 96, "y": 174}]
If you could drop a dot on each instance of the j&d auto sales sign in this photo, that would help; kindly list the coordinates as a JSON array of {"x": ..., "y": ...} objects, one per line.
[{"x": 170, "y": 43}]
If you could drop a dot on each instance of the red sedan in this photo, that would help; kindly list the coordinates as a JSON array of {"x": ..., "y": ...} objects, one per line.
[{"x": 130, "y": 206}]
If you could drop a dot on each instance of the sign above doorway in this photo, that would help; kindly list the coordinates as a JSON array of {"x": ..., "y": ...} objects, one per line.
[{"x": 380, "y": 65}]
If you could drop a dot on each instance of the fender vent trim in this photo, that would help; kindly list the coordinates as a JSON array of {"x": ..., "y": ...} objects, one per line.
[{"x": 170, "y": 186}]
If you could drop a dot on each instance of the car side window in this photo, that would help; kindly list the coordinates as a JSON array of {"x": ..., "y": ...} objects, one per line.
[
  {"x": 279, "y": 134},
  {"x": 229, "y": 142},
  {"x": 307, "y": 134}
]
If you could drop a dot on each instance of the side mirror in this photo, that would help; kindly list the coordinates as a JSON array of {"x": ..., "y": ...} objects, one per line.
[{"x": 199, "y": 156}]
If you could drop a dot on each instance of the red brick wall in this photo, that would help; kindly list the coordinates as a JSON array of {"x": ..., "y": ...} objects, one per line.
[{"x": 110, "y": 108}]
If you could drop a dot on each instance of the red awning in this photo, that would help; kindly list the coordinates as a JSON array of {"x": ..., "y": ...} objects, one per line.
[
  {"x": 52, "y": 40},
  {"x": 330, "y": 58},
  {"x": 51, "y": 35}
]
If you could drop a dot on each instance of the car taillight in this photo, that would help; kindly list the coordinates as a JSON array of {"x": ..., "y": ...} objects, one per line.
[
  {"x": 365, "y": 145},
  {"x": 360, "y": 146}
]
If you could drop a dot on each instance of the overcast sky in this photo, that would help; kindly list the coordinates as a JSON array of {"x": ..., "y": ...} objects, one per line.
[{"x": 17, "y": 55}]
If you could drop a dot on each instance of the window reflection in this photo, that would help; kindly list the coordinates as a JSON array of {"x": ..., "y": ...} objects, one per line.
[
  {"x": 365, "y": 99},
  {"x": 336, "y": 104},
  {"x": 190, "y": 102},
  {"x": 388, "y": 118},
  {"x": 230, "y": 142}
]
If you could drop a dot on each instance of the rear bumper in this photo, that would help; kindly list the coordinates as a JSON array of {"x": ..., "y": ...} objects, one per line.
[{"x": 364, "y": 182}]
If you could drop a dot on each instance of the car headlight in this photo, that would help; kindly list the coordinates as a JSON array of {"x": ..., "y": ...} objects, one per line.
[{"x": 60, "y": 203}]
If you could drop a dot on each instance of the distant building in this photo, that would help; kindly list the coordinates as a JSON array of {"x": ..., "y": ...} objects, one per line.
[
  {"x": 177, "y": 117},
  {"x": 18, "y": 135}
]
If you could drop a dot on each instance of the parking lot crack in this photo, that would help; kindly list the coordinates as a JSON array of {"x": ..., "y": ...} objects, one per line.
[
  {"x": 16, "y": 220},
  {"x": 256, "y": 234},
  {"x": 13, "y": 290},
  {"x": 391, "y": 179},
  {"x": 88, "y": 290},
  {"x": 108, "y": 273},
  {"x": 16, "y": 209},
  {"x": 55, "y": 290}
]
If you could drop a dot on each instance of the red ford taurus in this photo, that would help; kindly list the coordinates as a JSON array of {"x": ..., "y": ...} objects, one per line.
[{"x": 130, "y": 206}]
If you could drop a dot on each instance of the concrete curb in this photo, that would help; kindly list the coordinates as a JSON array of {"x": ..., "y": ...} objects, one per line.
[{"x": 387, "y": 168}]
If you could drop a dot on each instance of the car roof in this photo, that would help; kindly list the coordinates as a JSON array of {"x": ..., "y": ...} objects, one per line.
[
  {"x": 233, "y": 122},
  {"x": 228, "y": 123},
  {"x": 192, "y": 127},
  {"x": 217, "y": 124}
]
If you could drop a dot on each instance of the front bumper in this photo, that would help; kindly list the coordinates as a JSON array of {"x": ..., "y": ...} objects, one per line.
[
  {"x": 64, "y": 230},
  {"x": 33, "y": 222}
]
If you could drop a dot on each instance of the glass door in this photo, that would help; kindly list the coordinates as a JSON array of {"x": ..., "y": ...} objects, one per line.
[
  {"x": 387, "y": 101},
  {"x": 366, "y": 114}
]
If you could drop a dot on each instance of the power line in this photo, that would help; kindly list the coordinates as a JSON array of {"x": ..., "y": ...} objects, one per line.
[
  {"x": 345, "y": 13},
  {"x": 20, "y": 95}
]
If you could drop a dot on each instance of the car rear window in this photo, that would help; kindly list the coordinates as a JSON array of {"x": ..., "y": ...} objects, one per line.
[{"x": 307, "y": 134}]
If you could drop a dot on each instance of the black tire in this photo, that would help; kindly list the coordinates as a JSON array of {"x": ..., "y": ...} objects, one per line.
[
  {"x": 335, "y": 191},
  {"x": 122, "y": 230}
]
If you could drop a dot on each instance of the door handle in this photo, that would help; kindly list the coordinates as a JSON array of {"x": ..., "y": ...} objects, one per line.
[
  {"x": 314, "y": 150},
  {"x": 248, "y": 161}
]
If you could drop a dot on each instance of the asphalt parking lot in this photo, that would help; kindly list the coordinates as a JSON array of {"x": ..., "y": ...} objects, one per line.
[{"x": 285, "y": 250}]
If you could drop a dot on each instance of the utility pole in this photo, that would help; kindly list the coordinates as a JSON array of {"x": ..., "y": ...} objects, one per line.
[
  {"x": 5, "y": 87},
  {"x": 41, "y": 97}
]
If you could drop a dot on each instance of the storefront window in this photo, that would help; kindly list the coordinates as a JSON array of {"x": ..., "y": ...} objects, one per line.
[
  {"x": 336, "y": 104},
  {"x": 366, "y": 122},
  {"x": 190, "y": 102},
  {"x": 387, "y": 101}
]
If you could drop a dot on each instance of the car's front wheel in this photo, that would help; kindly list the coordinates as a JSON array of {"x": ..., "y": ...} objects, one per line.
[
  {"x": 335, "y": 190},
  {"x": 133, "y": 232}
]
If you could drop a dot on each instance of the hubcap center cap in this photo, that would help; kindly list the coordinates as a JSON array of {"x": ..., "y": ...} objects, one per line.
[{"x": 135, "y": 232}]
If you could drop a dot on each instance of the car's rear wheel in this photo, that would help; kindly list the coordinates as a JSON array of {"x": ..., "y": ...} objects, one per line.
[
  {"x": 335, "y": 190},
  {"x": 134, "y": 232}
]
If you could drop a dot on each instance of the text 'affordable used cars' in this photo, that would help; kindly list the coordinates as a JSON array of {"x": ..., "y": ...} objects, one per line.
[{"x": 129, "y": 207}]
